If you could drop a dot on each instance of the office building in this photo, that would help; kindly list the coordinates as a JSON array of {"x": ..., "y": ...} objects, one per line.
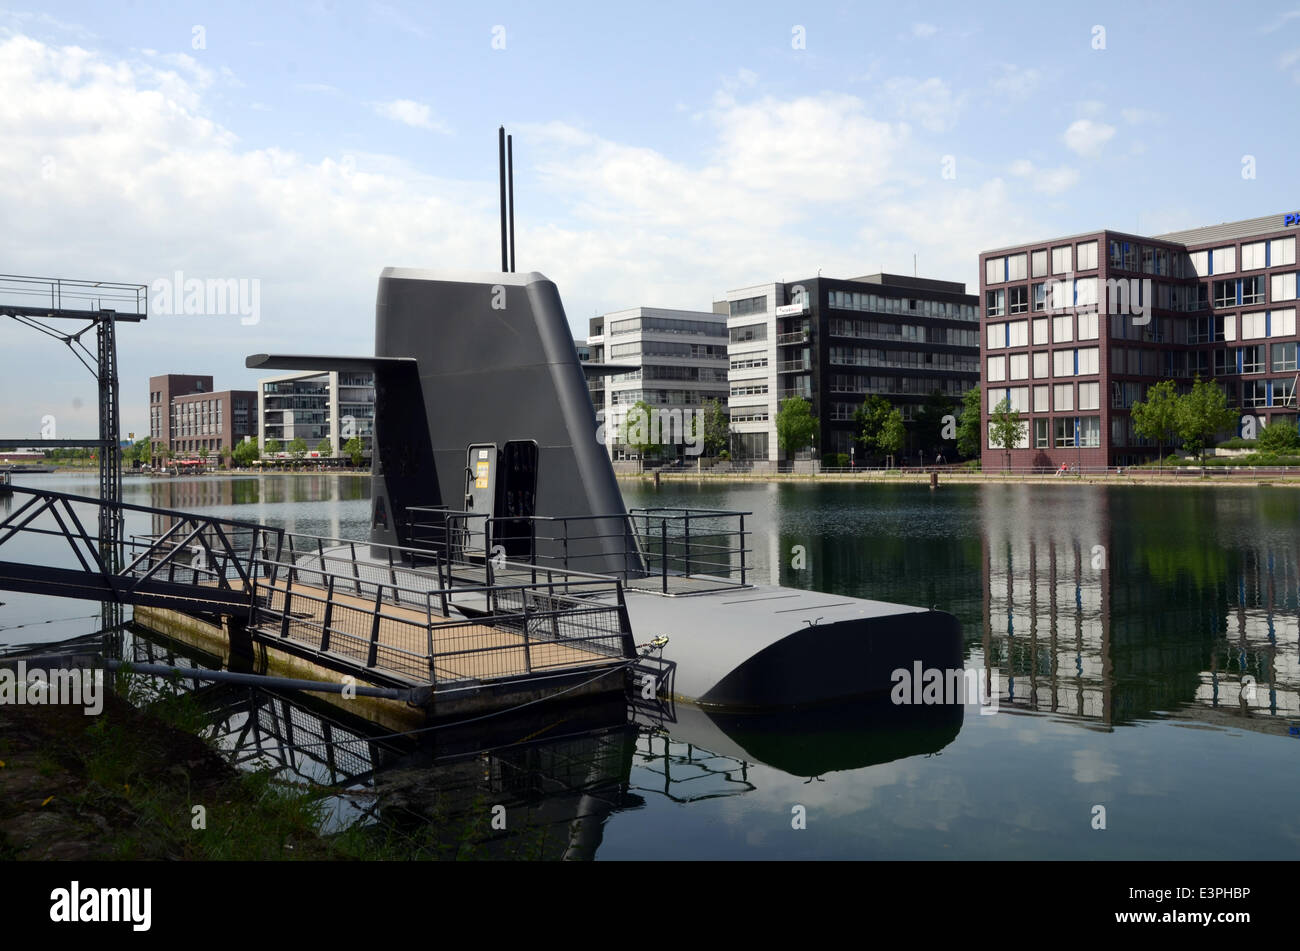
[
  {"x": 316, "y": 406},
  {"x": 676, "y": 361},
  {"x": 187, "y": 417},
  {"x": 1078, "y": 328},
  {"x": 835, "y": 342}
]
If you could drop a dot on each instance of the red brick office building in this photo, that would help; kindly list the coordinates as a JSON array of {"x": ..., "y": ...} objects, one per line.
[{"x": 1076, "y": 329}]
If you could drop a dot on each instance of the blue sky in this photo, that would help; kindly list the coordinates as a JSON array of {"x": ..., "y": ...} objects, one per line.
[{"x": 663, "y": 154}]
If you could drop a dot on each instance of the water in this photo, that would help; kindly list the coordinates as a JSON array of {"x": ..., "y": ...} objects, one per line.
[{"x": 1146, "y": 643}]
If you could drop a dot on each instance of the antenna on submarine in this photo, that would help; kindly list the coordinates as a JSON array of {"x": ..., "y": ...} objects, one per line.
[{"x": 506, "y": 165}]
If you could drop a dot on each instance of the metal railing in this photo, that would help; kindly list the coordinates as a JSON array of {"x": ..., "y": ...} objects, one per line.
[{"x": 671, "y": 550}]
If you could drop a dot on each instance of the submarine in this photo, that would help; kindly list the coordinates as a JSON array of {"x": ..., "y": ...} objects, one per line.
[
  {"x": 482, "y": 407},
  {"x": 484, "y": 419}
]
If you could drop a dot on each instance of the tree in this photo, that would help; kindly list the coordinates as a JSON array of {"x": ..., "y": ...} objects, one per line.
[
  {"x": 203, "y": 454},
  {"x": 1004, "y": 428},
  {"x": 968, "y": 428},
  {"x": 325, "y": 447},
  {"x": 639, "y": 430},
  {"x": 354, "y": 450},
  {"x": 871, "y": 417},
  {"x": 1201, "y": 414},
  {"x": 892, "y": 434},
  {"x": 717, "y": 427},
  {"x": 1157, "y": 418},
  {"x": 226, "y": 456},
  {"x": 246, "y": 453},
  {"x": 298, "y": 448},
  {"x": 1279, "y": 436},
  {"x": 273, "y": 447},
  {"x": 930, "y": 420},
  {"x": 796, "y": 427}
]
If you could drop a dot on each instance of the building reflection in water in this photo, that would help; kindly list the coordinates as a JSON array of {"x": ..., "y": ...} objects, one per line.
[{"x": 1083, "y": 616}]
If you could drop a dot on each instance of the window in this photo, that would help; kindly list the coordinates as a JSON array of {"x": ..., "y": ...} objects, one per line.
[
  {"x": 1041, "y": 394},
  {"x": 995, "y": 303},
  {"x": 1040, "y": 296},
  {"x": 1252, "y": 359},
  {"x": 995, "y": 270},
  {"x": 1019, "y": 366},
  {"x": 750, "y": 305},
  {"x": 1088, "y": 326},
  {"x": 1225, "y": 329},
  {"x": 997, "y": 336},
  {"x": 1019, "y": 399},
  {"x": 1283, "y": 287},
  {"x": 1088, "y": 361},
  {"x": 1085, "y": 292},
  {"x": 1090, "y": 432},
  {"x": 1040, "y": 331},
  {"x": 1223, "y": 260},
  {"x": 1252, "y": 255},
  {"x": 1061, "y": 260},
  {"x": 1062, "y": 363},
  {"x": 1225, "y": 362},
  {"x": 1064, "y": 432},
  {"x": 1252, "y": 289},
  {"x": 749, "y": 332},
  {"x": 1042, "y": 433},
  {"x": 1198, "y": 330},
  {"x": 1252, "y": 326},
  {"x": 1040, "y": 365},
  {"x": 1087, "y": 257},
  {"x": 1060, "y": 295},
  {"x": 1282, "y": 323},
  {"x": 1018, "y": 298},
  {"x": 1016, "y": 268},
  {"x": 1254, "y": 393},
  {"x": 1284, "y": 393},
  {"x": 1089, "y": 396},
  {"x": 997, "y": 369},
  {"x": 1063, "y": 396},
  {"x": 1039, "y": 263},
  {"x": 1281, "y": 251},
  {"x": 1283, "y": 357},
  {"x": 1148, "y": 260},
  {"x": 1199, "y": 263},
  {"x": 1063, "y": 328},
  {"x": 1225, "y": 293},
  {"x": 1018, "y": 333}
]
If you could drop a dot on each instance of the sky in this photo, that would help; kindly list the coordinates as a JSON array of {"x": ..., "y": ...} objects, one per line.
[{"x": 663, "y": 154}]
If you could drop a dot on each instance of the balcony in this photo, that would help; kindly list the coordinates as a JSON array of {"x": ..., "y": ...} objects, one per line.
[
  {"x": 798, "y": 337},
  {"x": 794, "y": 366}
]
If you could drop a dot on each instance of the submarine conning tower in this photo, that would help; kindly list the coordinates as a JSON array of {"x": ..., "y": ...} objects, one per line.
[{"x": 494, "y": 412}]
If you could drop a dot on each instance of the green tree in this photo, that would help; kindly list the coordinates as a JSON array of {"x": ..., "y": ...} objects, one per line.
[
  {"x": 796, "y": 427},
  {"x": 717, "y": 427},
  {"x": 1004, "y": 428},
  {"x": 325, "y": 448},
  {"x": 203, "y": 454},
  {"x": 1279, "y": 436},
  {"x": 892, "y": 434},
  {"x": 226, "y": 456},
  {"x": 1157, "y": 418},
  {"x": 968, "y": 427},
  {"x": 1202, "y": 414},
  {"x": 638, "y": 432},
  {"x": 871, "y": 417},
  {"x": 355, "y": 450},
  {"x": 246, "y": 453},
  {"x": 298, "y": 448},
  {"x": 273, "y": 447},
  {"x": 930, "y": 420}
]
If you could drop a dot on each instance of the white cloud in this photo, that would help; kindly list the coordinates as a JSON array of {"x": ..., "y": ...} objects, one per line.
[
  {"x": 924, "y": 30},
  {"x": 1087, "y": 137},
  {"x": 1049, "y": 181},
  {"x": 1015, "y": 82},
  {"x": 930, "y": 103},
  {"x": 412, "y": 113}
]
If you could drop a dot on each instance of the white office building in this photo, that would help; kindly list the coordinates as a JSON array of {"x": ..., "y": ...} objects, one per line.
[{"x": 315, "y": 406}]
